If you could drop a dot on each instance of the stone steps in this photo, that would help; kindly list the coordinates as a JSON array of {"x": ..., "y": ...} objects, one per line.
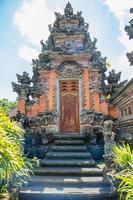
[
  {"x": 68, "y": 171},
  {"x": 68, "y": 155},
  {"x": 81, "y": 192},
  {"x": 64, "y": 148},
  {"x": 69, "y": 142},
  {"x": 70, "y": 162},
  {"x": 60, "y": 180}
]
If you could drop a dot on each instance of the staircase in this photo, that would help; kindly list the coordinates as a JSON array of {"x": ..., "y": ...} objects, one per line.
[{"x": 68, "y": 172}]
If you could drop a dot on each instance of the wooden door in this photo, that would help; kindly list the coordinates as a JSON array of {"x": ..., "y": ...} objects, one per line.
[{"x": 69, "y": 106}]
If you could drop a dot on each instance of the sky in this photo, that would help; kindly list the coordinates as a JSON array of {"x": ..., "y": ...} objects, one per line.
[{"x": 23, "y": 23}]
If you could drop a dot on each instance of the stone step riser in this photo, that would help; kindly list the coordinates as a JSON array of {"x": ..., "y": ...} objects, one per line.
[
  {"x": 41, "y": 196},
  {"x": 69, "y": 137},
  {"x": 65, "y": 184},
  {"x": 69, "y": 142},
  {"x": 65, "y": 180},
  {"x": 52, "y": 173},
  {"x": 68, "y": 171},
  {"x": 69, "y": 148},
  {"x": 67, "y": 164},
  {"x": 68, "y": 155}
]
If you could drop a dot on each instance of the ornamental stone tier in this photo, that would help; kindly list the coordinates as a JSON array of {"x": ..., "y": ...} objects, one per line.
[{"x": 67, "y": 92}]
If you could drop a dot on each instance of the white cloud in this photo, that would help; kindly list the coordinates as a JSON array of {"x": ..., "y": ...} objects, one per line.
[
  {"x": 120, "y": 9},
  {"x": 123, "y": 65},
  {"x": 28, "y": 53},
  {"x": 32, "y": 20}
]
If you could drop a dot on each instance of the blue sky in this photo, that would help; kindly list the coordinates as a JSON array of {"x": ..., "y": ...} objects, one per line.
[{"x": 23, "y": 23}]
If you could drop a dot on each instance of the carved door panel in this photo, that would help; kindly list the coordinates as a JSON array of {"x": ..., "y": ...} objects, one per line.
[{"x": 69, "y": 106}]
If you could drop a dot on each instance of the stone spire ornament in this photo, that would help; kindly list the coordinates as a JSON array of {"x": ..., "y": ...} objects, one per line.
[{"x": 68, "y": 10}]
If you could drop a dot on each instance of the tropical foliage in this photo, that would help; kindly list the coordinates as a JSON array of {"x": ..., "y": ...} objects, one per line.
[
  {"x": 7, "y": 105},
  {"x": 124, "y": 160},
  {"x": 14, "y": 167}
]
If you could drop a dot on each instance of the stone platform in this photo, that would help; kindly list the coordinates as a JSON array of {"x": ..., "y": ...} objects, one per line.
[{"x": 68, "y": 172}]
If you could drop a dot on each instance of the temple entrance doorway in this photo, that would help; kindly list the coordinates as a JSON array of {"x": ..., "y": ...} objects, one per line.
[{"x": 69, "y": 106}]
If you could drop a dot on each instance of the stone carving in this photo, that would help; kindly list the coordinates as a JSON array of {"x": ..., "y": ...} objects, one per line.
[
  {"x": 50, "y": 43},
  {"x": 98, "y": 119},
  {"x": 91, "y": 117},
  {"x": 43, "y": 119},
  {"x": 87, "y": 117},
  {"x": 68, "y": 10},
  {"x": 90, "y": 136},
  {"x": 20, "y": 117},
  {"x": 50, "y": 28},
  {"x": 109, "y": 138},
  {"x": 87, "y": 40},
  {"x": 43, "y": 61},
  {"x": 113, "y": 82},
  {"x": 129, "y": 29},
  {"x": 58, "y": 15},
  {"x": 86, "y": 27},
  {"x": 130, "y": 57},
  {"x": 24, "y": 78},
  {"x": 114, "y": 77},
  {"x": 69, "y": 69},
  {"x": 36, "y": 89},
  {"x": 44, "y": 46},
  {"x": 97, "y": 60},
  {"x": 23, "y": 88}
]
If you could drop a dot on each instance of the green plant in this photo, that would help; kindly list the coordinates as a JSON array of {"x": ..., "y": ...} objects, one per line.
[
  {"x": 14, "y": 167},
  {"x": 126, "y": 185},
  {"x": 124, "y": 159},
  {"x": 123, "y": 154},
  {"x": 7, "y": 105}
]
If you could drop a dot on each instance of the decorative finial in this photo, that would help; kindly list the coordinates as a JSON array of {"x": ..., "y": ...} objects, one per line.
[
  {"x": 131, "y": 10},
  {"x": 68, "y": 9}
]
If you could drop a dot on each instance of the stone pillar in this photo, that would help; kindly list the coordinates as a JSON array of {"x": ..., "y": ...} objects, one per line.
[{"x": 85, "y": 89}]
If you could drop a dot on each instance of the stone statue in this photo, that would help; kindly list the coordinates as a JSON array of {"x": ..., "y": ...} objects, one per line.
[{"x": 109, "y": 137}]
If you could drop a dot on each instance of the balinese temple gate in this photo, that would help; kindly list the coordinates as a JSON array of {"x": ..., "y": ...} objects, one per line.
[{"x": 67, "y": 92}]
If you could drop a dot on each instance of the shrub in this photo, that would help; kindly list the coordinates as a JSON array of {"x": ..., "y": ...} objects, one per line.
[
  {"x": 124, "y": 159},
  {"x": 14, "y": 167}
]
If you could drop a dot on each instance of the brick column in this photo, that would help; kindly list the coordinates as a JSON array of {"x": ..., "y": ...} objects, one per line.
[
  {"x": 21, "y": 106},
  {"x": 52, "y": 94}
]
